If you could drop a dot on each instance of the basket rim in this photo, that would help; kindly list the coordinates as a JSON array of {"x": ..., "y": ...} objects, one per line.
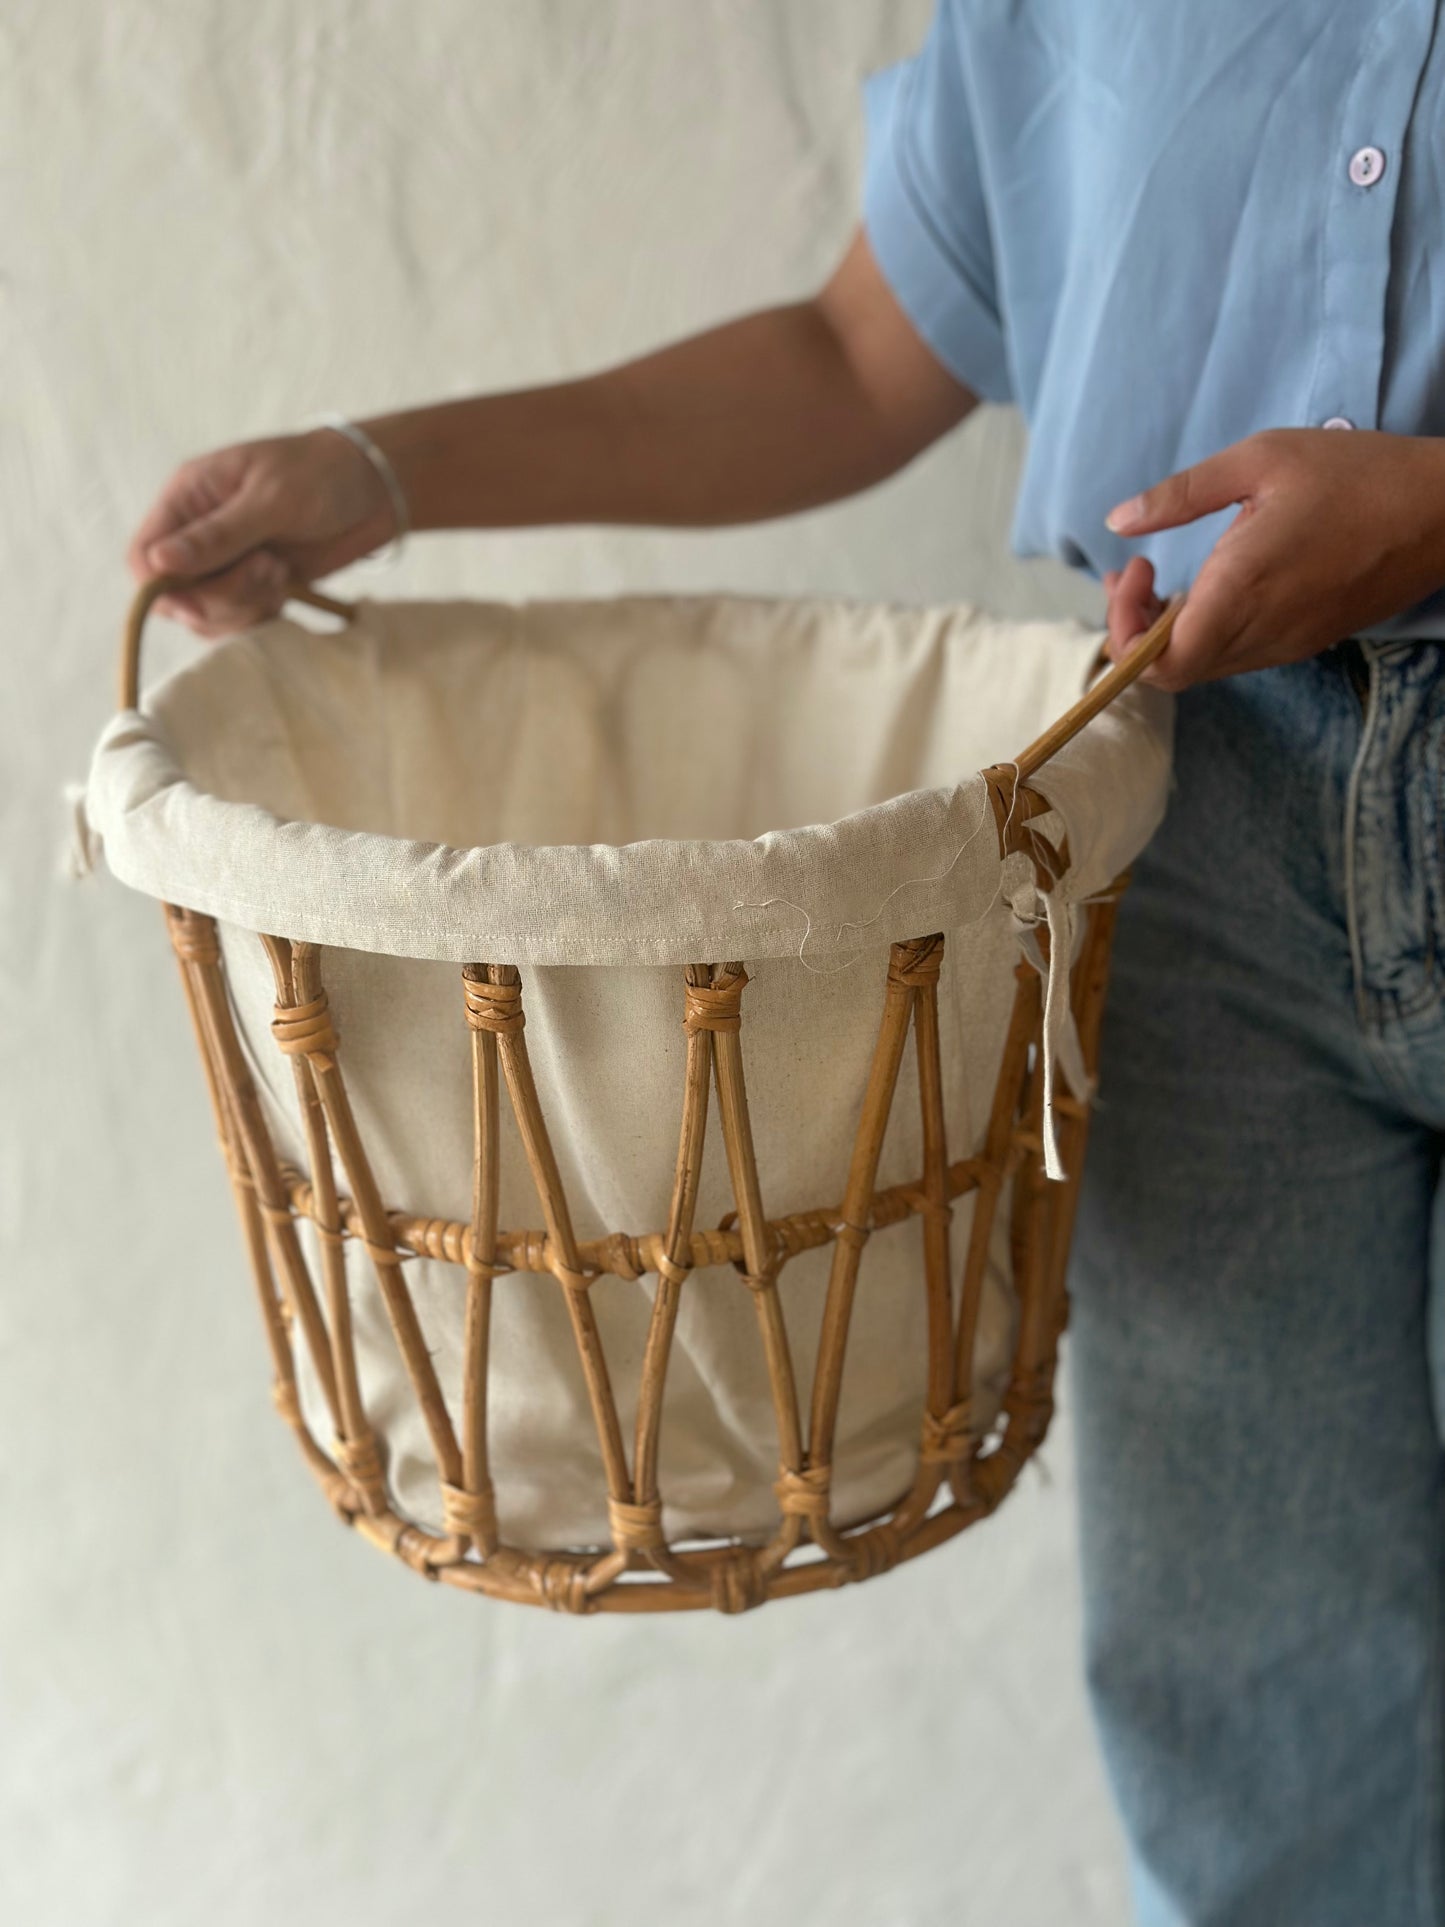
[{"x": 662, "y": 901}]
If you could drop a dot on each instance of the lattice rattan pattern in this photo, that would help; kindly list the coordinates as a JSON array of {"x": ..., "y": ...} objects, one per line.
[{"x": 961, "y": 1476}]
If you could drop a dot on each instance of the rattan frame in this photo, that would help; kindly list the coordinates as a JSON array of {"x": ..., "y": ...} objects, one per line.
[{"x": 964, "y": 1470}]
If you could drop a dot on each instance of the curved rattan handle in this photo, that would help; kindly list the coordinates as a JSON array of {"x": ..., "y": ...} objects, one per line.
[
  {"x": 1112, "y": 683},
  {"x": 159, "y": 585}
]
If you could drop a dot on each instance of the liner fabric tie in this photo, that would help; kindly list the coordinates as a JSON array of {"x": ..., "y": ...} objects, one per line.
[{"x": 1062, "y": 1050}]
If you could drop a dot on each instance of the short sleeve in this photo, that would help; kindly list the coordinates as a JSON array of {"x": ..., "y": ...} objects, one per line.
[{"x": 925, "y": 213}]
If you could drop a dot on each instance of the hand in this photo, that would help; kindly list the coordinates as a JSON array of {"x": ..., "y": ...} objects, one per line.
[
  {"x": 252, "y": 518},
  {"x": 1337, "y": 530}
]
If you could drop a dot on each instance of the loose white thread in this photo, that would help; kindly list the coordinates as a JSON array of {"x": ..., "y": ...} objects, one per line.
[{"x": 908, "y": 883}]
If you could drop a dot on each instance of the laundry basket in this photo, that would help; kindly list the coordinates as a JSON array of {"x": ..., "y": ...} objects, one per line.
[{"x": 651, "y": 1042}]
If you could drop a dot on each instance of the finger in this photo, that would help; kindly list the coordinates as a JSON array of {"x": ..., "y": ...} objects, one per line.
[
  {"x": 1211, "y": 631},
  {"x": 1133, "y": 604},
  {"x": 1214, "y": 484},
  {"x": 165, "y": 515},
  {"x": 250, "y": 592},
  {"x": 197, "y": 489},
  {"x": 176, "y": 608},
  {"x": 211, "y": 542}
]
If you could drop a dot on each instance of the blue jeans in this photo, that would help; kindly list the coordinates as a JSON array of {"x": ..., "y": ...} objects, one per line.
[{"x": 1259, "y": 1292}]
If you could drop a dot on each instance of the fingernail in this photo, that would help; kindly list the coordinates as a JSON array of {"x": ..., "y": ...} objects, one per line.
[
  {"x": 1123, "y": 518},
  {"x": 174, "y": 553}
]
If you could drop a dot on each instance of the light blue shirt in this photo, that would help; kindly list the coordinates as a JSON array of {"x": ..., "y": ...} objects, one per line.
[{"x": 1158, "y": 227}]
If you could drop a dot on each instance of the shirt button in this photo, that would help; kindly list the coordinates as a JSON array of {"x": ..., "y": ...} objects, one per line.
[
  {"x": 1366, "y": 166},
  {"x": 1338, "y": 421}
]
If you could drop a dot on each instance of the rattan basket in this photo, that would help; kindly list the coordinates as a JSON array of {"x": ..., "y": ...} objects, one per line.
[{"x": 313, "y": 1209}]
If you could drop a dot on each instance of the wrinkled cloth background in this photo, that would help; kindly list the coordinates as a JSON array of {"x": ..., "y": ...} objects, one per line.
[{"x": 220, "y": 220}]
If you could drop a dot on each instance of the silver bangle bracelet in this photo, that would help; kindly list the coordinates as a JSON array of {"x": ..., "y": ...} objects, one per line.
[{"x": 359, "y": 438}]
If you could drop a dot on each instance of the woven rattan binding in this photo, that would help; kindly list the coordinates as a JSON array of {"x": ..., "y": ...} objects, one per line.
[{"x": 964, "y": 1470}]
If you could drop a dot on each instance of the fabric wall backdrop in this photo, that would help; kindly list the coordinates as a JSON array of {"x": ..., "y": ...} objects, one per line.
[{"x": 219, "y": 219}]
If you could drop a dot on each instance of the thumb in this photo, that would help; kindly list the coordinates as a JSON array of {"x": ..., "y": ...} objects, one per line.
[
  {"x": 1133, "y": 605},
  {"x": 212, "y": 541},
  {"x": 1216, "y": 483}
]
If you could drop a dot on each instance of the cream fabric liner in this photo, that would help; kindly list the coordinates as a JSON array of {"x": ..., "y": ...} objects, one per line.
[{"x": 571, "y": 785}]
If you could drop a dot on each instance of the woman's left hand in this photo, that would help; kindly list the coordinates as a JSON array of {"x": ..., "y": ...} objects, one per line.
[{"x": 1337, "y": 530}]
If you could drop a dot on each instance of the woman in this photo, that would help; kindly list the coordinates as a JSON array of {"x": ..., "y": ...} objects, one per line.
[{"x": 1194, "y": 247}]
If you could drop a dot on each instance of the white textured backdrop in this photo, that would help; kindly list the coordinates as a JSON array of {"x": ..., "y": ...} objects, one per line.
[{"x": 219, "y": 218}]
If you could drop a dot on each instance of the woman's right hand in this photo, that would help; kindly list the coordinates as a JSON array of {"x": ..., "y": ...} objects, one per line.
[{"x": 251, "y": 519}]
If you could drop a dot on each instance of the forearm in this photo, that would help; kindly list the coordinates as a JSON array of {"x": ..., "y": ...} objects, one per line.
[{"x": 776, "y": 412}]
